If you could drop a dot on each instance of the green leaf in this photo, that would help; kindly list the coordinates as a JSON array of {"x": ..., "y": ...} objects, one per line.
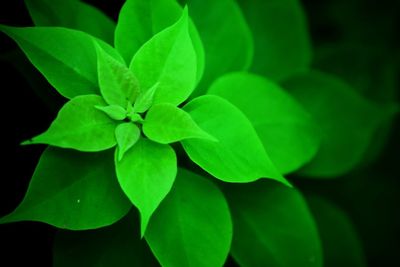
[
  {"x": 139, "y": 21},
  {"x": 67, "y": 58},
  {"x": 273, "y": 226},
  {"x": 117, "y": 245},
  {"x": 145, "y": 100},
  {"x": 347, "y": 121},
  {"x": 118, "y": 85},
  {"x": 72, "y": 190},
  {"x": 115, "y": 112},
  {"x": 72, "y": 14},
  {"x": 146, "y": 174},
  {"x": 192, "y": 227},
  {"x": 239, "y": 155},
  {"x": 79, "y": 125},
  {"x": 170, "y": 60},
  {"x": 127, "y": 134},
  {"x": 227, "y": 39},
  {"x": 281, "y": 39},
  {"x": 165, "y": 123},
  {"x": 287, "y": 131}
]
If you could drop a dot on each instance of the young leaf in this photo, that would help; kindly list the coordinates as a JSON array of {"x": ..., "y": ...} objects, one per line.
[
  {"x": 281, "y": 39},
  {"x": 170, "y": 60},
  {"x": 239, "y": 155},
  {"x": 145, "y": 100},
  {"x": 118, "y": 85},
  {"x": 72, "y": 14},
  {"x": 115, "y": 112},
  {"x": 127, "y": 134},
  {"x": 192, "y": 227},
  {"x": 72, "y": 190},
  {"x": 273, "y": 226},
  {"x": 347, "y": 122},
  {"x": 79, "y": 125},
  {"x": 165, "y": 123},
  {"x": 290, "y": 136},
  {"x": 146, "y": 174},
  {"x": 67, "y": 58}
]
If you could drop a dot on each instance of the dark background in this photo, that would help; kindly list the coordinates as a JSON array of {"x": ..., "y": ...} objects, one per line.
[{"x": 370, "y": 195}]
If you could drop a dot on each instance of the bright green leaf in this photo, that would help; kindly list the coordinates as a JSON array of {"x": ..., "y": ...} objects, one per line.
[
  {"x": 145, "y": 100},
  {"x": 347, "y": 121},
  {"x": 115, "y": 112},
  {"x": 146, "y": 174},
  {"x": 118, "y": 85},
  {"x": 127, "y": 134},
  {"x": 287, "y": 131},
  {"x": 192, "y": 227},
  {"x": 239, "y": 155},
  {"x": 72, "y": 190},
  {"x": 170, "y": 60},
  {"x": 67, "y": 58},
  {"x": 79, "y": 125},
  {"x": 273, "y": 226},
  {"x": 165, "y": 123},
  {"x": 72, "y": 14}
]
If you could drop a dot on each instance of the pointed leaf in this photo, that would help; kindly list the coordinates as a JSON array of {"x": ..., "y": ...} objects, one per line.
[
  {"x": 79, "y": 125},
  {"x": 115, "y": 112},
  {"x": 72, "y": 190},
  {"x": 273, "y": 226},
  {"x": 67, "y": 58},
  {"x": 118, "y": 85},
  {"x": 170, "y": 60},
  {"x": 127, "y": 134},
  {"x": 239, "y": 155},
  {"x": 165, "y": 123},
  {"x": 192, "y": 227},
  {"x": 145, "y": 99},
  {"x": 146, "y": 174},
  {"x": 72, "y": 14},
  {"x": 290, "y": 136}
]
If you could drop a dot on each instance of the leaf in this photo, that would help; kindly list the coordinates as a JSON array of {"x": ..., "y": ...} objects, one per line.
[
  {"x": 290, "y": 136},
  {"x": 115, "y": 112},
  {"x": 347, "y": 122},
  {"x": 127, "y": 134},
  {"x": 67, "y": 58},
  {"x": 146, "y": 174},
  {"x": 281, "y": 39},
  {"x": 72, "y": 14},
  {"x": 239, "y": 156},
  {"x": 170, "y": 60},
  {"x": 117, "y": 245},
  {"x": 192, "y": 227},
  {"x": 79, "y": 125},
  {"x": 273, "y": 226},
  {"x": 165, "y": 123},
  {"x": 139, "y": 21},
  {"x": 227, "y": 39},
  {"x": 145, "y": 100},
  {"x": 118, "y": 85},
  {"x": 72, "y": 190}
]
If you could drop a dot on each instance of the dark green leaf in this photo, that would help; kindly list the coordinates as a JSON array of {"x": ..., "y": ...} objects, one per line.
[
  {"x": 239, "y": 155},
  {"x": 192, "y": 227},
  {"x": 115, "y": 112},
  {"x": 126, "y": 134},
  {"x": 73, "y": 190},
  {"x": 79, "y": 125},
  {"x": 273, "y": 226},
  {"x": 287, "y": 131}
]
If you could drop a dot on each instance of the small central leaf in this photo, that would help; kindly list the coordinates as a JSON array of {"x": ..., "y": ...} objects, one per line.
[
  {"x": 145, "y": 100},
  {"x": 115, "y": 112},
  {"x": 127, "y": 134}
]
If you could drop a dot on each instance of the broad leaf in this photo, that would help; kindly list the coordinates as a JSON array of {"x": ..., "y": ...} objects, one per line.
[
  {"x": 169, "y": 59},
  {"x": 73, "y": 190},
  {"x": 72, "y": 14},
  {"x": 165, "y": 123},
  {"x": 126, "y": 134},
  {"x": 273, "y": 226},
  {"x": 239, "y": 155},
  {"x": 281, "y": 39},
  {"x": 118, "y": 85},
  {"x": 348, "y": 122},
  {"x": 115, "y": 112},
  {"x": 67, "y": 58},
  {"x": 81, "y": 126},
  {"x": 287, "y": 131},
  {"x": 192, "y": 227},
  {"x": 146, "y": 174}
]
